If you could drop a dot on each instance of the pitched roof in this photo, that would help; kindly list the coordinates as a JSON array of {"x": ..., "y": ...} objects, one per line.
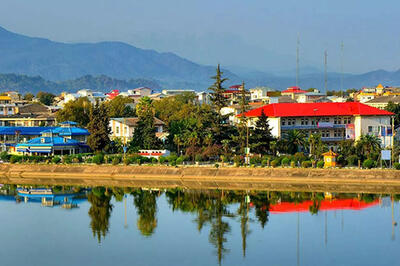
[
  {"x": 316, "y": 109},
  {"x": 385, "y": 99},
  {"x": 294, "y": 89},
  {"x": 132, "y": 121}
]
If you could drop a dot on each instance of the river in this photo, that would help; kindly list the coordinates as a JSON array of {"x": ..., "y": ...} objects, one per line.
[{"x": 141, "y": 226}]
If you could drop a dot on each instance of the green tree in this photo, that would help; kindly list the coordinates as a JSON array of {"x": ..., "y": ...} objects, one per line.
[
  {"x": 217, "y": 91},
  {"x": 243, "y": 129},
  {"x": 367, "y": 145},
  {"x": 146, "y": 208},
  {"x": 317, "y": 147},
  {"x": 119, "y": 107},
  {"x": 144, "y": 135},
  {"x": 295, "y": 140},
  {"x": 99, "y": 212},
  {"x": 261, "y": 136},
  {"x": 99, "y": 128},
  {"x": 45, "y": 98},
  {"x": 77, "y": 111},
  {"x": 28, "y": 97},
  {"x": 394, "y": 108}
]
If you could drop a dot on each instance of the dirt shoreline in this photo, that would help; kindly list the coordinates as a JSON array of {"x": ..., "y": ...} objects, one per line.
[{"x": 290, "y": 179}]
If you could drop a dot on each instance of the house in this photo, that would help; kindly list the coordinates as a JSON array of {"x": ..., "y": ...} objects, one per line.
[
  {"x": 51, "y": 143},
  {"x": 92, "y": 96},
  {"x": 260, "y": 94},
  {"x": 293, "y": 92},
  {"x": 234, "y": 94},
  {"x": 176, "y": 92},
  {"x": 311, "y": 96},
  {"x": 334, "y": 121},
  {"x": 123, "y": 128},
  {"x": 141, "y": 91},
  {"x": 29, "y": 115},
  {"x": 382, "y": 101},
  {"x": 11, "y": 136}
]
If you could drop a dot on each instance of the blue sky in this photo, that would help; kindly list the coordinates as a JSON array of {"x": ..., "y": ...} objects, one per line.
[{"x": 255, "y": 34}]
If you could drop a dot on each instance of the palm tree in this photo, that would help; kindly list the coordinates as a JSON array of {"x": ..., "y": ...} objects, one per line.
[
  {"x": 178, "y": 140},
  {"x": 295, "y": 139},
  {"x": 367, "y": 145}
]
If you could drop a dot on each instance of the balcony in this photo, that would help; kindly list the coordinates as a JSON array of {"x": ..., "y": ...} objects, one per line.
[
  {"x": 307, "y": 127},
  {"x": 332, "y": 139}
]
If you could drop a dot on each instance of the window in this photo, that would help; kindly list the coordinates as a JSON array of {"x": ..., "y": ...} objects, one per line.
[
  {"x": 325, "y": 134},
  {"x": 369, "y": 129},
  {"x": 117, "y": 130},
  {"x": 337, "y": 133},
  {"x": 304, "y": 121},
  {"x": 283, "y": 122},
  {"x": 291, "y": 121},
  {"x": 337, "y": 121}
]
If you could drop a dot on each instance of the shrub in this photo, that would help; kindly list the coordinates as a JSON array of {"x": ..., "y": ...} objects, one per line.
[
  {"x": 4, "y": 156},
  {"x": 216, "y": 165},
  {"x": 198, "y": 158},
  {"x": 264, "y": 163},
  {"x": 115, "y": 161},
  {"x": 139, "y": 161},
  {"x": 56, "y": 160},
  {"x": 127, "y": 161},
  {"x": 173, "y": 163},
  {"x": 275, "y": 163},
  {"x": 320, "y": 164},
  {"x": 179, "y": 160},
  {"x": 238, "y": 160},
  {"x": 67, "y": 159},
  {"x": 89, "y": 160},
  {"x": 396, "y": 166},
  {"x": 255, "y": 160},
  {"x": 161, "y": 159},
  {"x": 285, "y": 161},
  {"x": 352, "y": 160},
  {"x": 75, "y": 160},
  {"x": 306, "y": 164},
  {"x": 171, "y": 158},
  {"x": 368, "y": 163},
  {"x": 15, "y": 159},
  {"x": 299, "y": 157},
  {"x": 98, "y": 158},
  {"x": 154, "y": 160},
  {"x": 293, "y": 164}
]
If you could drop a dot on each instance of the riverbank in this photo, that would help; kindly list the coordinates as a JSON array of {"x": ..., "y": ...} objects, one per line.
[{"x": 204, "y": 177}]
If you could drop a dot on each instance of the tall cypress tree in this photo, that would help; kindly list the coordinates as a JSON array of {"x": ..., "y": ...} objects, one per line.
[
  {"x": 244, "y": 106},
  {"x": 99, "y": 128},
  {"x": 217, "y": 91}
]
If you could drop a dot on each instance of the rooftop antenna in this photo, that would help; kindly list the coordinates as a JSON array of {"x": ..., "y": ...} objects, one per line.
[
  {"x": 326, "y": 69},
  {"x": 297, "y": 60},
  {"x": 341, "y": 66}
]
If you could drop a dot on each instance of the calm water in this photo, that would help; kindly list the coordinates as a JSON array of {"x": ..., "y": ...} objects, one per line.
[{"x": 176, "y": 227}]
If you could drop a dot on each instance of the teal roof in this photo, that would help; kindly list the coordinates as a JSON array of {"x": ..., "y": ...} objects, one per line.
[{"x": 50, "y": 141}]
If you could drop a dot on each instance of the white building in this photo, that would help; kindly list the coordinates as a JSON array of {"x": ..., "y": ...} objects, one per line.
[
  {"x": 334, "y": 121},
  {"x": 260, "y": 94},
  {"x": 93, "y": 97},
  {"x": 124, "y": 128}
]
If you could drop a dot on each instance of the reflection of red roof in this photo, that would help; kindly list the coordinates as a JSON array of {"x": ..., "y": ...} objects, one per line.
[
  {"x": 316, "y": 109},
  {"x": 325, "y": 205}
]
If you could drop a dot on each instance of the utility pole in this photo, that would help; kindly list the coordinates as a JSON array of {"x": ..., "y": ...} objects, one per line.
[
  {"x": 326, "y": 70},
  {"x": 341, "y": 66},
  {"x": 297, "y": 60}
]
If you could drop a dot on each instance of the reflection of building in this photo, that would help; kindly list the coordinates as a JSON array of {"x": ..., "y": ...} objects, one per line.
[
  {"x": 333, "y": 121},
  {"x": 323, "y": 205}
]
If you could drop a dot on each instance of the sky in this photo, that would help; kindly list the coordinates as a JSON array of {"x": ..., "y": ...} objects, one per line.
[{"x": 251, "y": 34}]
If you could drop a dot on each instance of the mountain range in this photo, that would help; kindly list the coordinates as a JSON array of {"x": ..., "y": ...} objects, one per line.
[{"x": 40, "y": 64}]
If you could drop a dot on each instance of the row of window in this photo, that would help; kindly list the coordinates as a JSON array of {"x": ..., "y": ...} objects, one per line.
[
  {"x": 314, "y": 122},
  {"x": 337, "y": 133}
]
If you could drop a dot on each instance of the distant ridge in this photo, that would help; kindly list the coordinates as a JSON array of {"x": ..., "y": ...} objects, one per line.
[{"x": 24, "y": 84}]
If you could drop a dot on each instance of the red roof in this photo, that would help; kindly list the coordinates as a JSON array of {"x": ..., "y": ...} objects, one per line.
[
  {"x": 316, "y": 109},
  {"x": 235, "y": 86},
  {"x": 325, "y": 205},
  {"x": 294, "y": 89},
  {"x": 232, "y": 91}
]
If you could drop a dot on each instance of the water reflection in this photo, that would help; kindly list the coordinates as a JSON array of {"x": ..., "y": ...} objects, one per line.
[{"x": 215, "y": 211}]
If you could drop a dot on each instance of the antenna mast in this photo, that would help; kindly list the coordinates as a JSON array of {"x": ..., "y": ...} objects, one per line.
[
  {"x": 297, "y": 60},
  {"x": 326, "y": 69},
  {"x": 341, "y": 66}
]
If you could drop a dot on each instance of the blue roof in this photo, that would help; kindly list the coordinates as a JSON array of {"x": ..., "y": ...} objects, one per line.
[
  {"x": 62, "y": 131},
  {"x": 69, "y": 123},
  {"x": 71, "y": 131},
  {"x": 23, "y": 130},
  {"x": 49, "y": 141}
]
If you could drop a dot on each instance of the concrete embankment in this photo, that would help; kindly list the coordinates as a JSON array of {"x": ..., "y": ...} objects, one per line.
[{"x": 289, "y": 179}]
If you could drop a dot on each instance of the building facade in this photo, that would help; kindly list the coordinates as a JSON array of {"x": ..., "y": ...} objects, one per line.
[{"x": 333, "y": 121}]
